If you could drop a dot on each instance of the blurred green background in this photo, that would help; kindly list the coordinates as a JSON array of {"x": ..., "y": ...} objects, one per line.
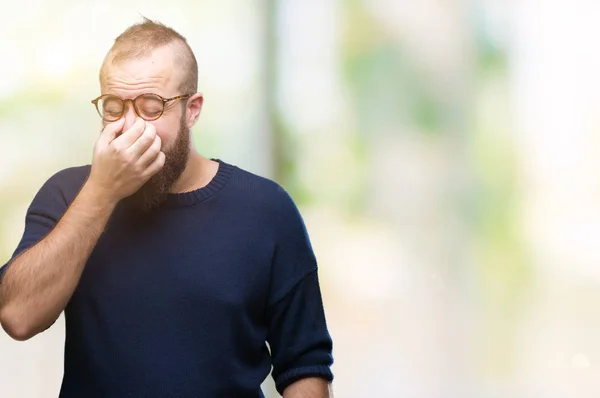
[{"x": 444, "y": 154}]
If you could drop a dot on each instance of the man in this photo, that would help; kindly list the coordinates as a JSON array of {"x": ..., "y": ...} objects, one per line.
[{"x": 173, "y": 270}]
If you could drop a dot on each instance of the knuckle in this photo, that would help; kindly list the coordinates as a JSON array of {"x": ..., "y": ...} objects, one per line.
[
  {"x": 150, "y": 137},
  {"x": 135, "y": 128},
  {"x": 145, "y": 140},
  {"x": 115, "y": 146},
  {"x": 138, "y": 170},
  {"x": 117, "y": 150},
  {"x": 128, "y": 158},
  {"x": 151, "y": 154}
]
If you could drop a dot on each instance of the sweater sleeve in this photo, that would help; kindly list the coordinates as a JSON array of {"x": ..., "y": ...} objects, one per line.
[
  {"x": 300, "y": 343},
  {"x": 44, "y": 212}
]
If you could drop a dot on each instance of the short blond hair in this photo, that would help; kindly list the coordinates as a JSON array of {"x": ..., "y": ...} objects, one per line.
[{"x": 140, "y": 39}]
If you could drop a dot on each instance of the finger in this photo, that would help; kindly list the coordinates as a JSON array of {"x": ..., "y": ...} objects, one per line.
[
  {"x": 151, "y": 153},
  {"x": 145, "y": 141},
  {"x": 128, "y": 137},
  {"x": 110, "y": 131},
  {"x": 155, "y": 166}
]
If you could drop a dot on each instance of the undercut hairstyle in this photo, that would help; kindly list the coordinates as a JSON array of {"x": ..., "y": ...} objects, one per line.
[{"x": 140, "y": 39}]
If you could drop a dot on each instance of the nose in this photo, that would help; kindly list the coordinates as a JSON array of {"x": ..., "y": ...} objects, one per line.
[{"x": 129, "y": 116}]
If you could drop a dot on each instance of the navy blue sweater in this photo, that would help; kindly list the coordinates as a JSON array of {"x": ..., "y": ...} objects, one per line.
[{"x": 181, "y": 302}]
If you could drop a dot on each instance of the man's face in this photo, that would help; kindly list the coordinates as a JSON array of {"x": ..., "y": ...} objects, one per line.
[{"x": 153, "y": 74}]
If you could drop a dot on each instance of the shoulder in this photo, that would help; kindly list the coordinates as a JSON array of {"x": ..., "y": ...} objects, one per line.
[
  {"x": 65, "y": 183},
  {"x": 70, "y": 178},
  {"x": 269, "y": 204},
  {"x": 70, "y": 175},
  {"x": 262, "y": 193}
]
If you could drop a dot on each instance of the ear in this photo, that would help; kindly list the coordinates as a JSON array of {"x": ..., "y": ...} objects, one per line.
[{"x": 194, "y": 106}]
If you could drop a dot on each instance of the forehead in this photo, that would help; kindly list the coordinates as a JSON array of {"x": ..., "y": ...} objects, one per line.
[{"x": 155, "y": 72}]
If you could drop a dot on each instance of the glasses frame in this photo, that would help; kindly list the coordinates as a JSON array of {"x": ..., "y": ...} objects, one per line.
[{"x": 124, "y": 101}]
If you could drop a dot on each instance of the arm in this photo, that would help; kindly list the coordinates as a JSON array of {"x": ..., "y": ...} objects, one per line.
[
  {"x": 301, "y": 347},
  {"x": 38, "y": 283},
  {"x": 312, "y": 387}
]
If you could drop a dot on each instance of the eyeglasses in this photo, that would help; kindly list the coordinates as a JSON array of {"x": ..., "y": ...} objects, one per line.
[{"x": 147, "y": 106}]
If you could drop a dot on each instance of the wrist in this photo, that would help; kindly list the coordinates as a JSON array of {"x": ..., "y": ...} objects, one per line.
[{"x": 102, "y": 197}]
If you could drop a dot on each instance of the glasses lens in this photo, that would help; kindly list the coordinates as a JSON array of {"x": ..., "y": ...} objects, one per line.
[
  {"x": 149, "y": 107},
  {"x": 111, "y": 108}
]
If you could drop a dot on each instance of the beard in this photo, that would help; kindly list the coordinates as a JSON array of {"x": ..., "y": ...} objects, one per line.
[{"x": 155, "y": 191}]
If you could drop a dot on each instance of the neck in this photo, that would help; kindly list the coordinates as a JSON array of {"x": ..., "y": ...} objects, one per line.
[{"x": 198, "y": 172}]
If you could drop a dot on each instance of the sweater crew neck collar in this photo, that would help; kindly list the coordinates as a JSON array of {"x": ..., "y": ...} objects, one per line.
[{"x": 200, "y": 195}]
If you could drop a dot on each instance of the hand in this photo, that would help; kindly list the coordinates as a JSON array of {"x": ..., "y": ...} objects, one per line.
[{"x": 123, "y": 163}]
